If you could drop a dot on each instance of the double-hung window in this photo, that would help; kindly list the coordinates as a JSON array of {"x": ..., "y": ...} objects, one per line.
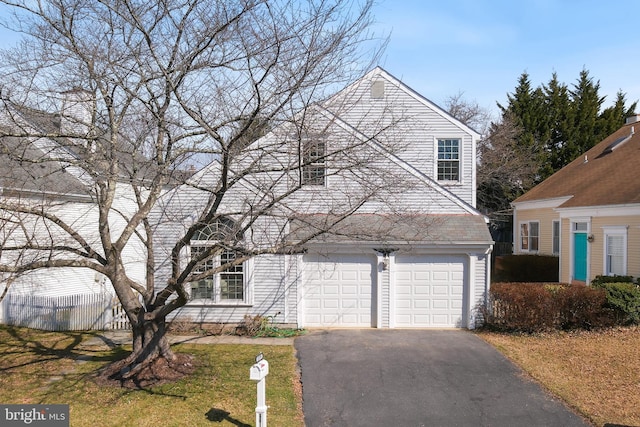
[
  {"x": 448, "y": 159},
  {"x": 615, "y": 251},
  {"x": 529, "y": 236},
  {"x": 227, "y": 285},
  {"x": 313, "y": 156}
]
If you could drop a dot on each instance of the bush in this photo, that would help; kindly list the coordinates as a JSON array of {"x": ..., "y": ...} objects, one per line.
[
  {"x": 623, "y": 299},
  {"x": 526, "y": 268},
  {"x": 600, "y": 280},
  {"x": 536, "y": 307},
  {"x": 581, "y": 307}
]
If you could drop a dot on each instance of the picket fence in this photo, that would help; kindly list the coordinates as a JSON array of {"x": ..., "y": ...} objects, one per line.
[{"x": 80, "y": 312}]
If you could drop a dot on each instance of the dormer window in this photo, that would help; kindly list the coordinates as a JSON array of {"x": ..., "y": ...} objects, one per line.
[
  {"x": 313, "y": 160},
  {"x": 448, "y": 159}
]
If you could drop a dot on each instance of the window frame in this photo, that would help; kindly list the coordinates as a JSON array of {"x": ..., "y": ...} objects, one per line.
[
  {"x": 620, "y": 232},
  {"x": 530, "y": 238},
  {"x": 313, "y": 165},
  {"x": 203, "y": 240},
  {"x": 556, "y": 232},
  {"x": 446, "y": 159}
]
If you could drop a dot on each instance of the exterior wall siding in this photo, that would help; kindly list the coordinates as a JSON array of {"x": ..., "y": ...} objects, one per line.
[
  {"x": 480, "y": 286},
  {"x": 597, "y": 247},
  {"x": 545, "y": 218},
  {"x": 83, "y": 218},
  {"x": 419, "y": 125}
]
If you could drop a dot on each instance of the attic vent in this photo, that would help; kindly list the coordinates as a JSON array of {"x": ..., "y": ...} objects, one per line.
[{"x": 377, "y": 89}]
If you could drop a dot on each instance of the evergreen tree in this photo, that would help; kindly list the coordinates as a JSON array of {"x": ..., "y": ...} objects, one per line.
[
  {"x": 612, "y": 117},
  {"x": 557, "y": 124},
  {"x": 585, "y": 110}
]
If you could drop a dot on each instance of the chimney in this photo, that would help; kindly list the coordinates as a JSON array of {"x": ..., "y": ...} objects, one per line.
[
  {"x": 76, "y": 112},
  {"x": 632, "y": 119}
]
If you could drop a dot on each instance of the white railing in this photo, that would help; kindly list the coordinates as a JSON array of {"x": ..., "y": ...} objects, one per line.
[{"x": 64, "y": 313}]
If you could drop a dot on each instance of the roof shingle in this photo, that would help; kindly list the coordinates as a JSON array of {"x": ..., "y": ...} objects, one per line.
[{"x": 604, "y": 175}]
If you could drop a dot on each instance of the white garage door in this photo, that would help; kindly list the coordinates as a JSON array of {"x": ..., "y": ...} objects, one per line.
[
  {"x": 429, "y": 291},
  {"x": 337, "y": 290}
]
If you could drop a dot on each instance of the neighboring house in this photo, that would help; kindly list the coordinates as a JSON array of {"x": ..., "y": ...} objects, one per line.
[
  {"x": 43, "y": 173},
  {"x": 415, "y": 254},
  {"x": 587, "y": 213}
]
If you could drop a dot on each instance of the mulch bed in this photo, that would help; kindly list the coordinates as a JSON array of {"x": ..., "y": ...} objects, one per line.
[{"x": 160, "y": 371}]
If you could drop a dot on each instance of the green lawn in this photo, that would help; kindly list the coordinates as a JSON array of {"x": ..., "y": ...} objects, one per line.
[{"x": 46, "y": 368}]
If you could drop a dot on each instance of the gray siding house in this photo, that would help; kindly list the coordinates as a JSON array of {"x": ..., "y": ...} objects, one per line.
[{"x": 406, "y": 246}]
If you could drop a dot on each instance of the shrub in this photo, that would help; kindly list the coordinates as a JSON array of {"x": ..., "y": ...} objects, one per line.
[
  {"x": 600, "y": 280},
  {"x": 537, "y": 307},
  {"x": 519, "y": 307},
  {"x": 581, "y": 307},
  {"x": 623, "y": 299},
  {"x": 526, "y": 268}
]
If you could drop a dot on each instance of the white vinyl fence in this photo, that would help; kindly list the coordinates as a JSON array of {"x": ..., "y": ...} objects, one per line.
[{"x": 64, "y": 313}]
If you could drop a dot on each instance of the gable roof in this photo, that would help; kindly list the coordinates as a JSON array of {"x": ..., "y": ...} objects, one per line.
[
  {"x": 604, "y": 175},
  {"x": 379, "y": 72}
]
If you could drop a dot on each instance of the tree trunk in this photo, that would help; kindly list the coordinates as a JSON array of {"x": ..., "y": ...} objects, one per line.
[{"x": 152, "y": 360}]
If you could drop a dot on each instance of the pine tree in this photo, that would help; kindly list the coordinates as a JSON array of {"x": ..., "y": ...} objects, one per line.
[{"x": 557, "y": 124}]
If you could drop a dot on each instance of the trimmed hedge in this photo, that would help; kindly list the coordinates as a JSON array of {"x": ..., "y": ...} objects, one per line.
[
  {"x": 600, "y": 280},
  {"x": 623, "y": 299},
  {"x": 526, "y": 268},
  {"x": 538, "y": 307}
]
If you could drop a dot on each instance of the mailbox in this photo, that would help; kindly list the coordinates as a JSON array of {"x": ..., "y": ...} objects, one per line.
[{"x": 258, "y": 371}]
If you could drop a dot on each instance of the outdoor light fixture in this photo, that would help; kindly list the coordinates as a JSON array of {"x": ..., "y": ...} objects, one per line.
[
  {"x": 385, "y": 252},
  {"x": 591, "y": 238}
]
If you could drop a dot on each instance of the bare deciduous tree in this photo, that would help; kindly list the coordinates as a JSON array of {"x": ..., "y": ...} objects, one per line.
[
  {"x": 124, "y": 95},
  {"x": 505, "y": 169},
  {"x": 468, "y": 112}
]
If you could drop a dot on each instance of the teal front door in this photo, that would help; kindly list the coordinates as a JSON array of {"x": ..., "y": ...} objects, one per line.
[{"x": 580, "y": 256}]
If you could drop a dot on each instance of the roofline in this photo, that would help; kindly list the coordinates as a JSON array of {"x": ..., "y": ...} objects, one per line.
[
  {"x": 404, "y": 164},
  {"x": 552, "y": 202},
  {"x": 455, "y": 247},
  {"x": 15, "y": 192},
  {"x": 600, "y": 211},
  {"x": 424, "y": 100}
]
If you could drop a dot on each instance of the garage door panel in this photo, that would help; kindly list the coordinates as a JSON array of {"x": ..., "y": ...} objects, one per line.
[
  {"x": 420, "y": 289},
  {"x": 429, "y": 291},
  {"x": 439, "y": 290},
  {"x": 345, "y": 284},
  {"x": 421, "y": 304},
  {"x": 330, "y": 303}
]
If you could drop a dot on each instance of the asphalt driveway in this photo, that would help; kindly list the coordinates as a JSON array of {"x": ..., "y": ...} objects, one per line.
[{"x": 417, "y": 378}]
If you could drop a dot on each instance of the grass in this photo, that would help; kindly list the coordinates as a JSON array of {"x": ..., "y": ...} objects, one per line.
[
  {"x": 596, "y": 372},
  {"x": 48, "y": 367}
]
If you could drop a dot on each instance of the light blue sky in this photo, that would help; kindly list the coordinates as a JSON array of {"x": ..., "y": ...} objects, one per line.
[{"x": 480, "y": 47}]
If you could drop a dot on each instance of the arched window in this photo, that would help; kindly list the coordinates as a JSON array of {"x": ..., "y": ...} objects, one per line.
[{"x": 227, "y": 285}]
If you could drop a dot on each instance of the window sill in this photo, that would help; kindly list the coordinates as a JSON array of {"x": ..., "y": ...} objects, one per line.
[{"x": 205, "y": 303}]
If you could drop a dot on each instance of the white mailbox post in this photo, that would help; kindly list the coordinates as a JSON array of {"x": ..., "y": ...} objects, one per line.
[{"x": 258, "y": 372}]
